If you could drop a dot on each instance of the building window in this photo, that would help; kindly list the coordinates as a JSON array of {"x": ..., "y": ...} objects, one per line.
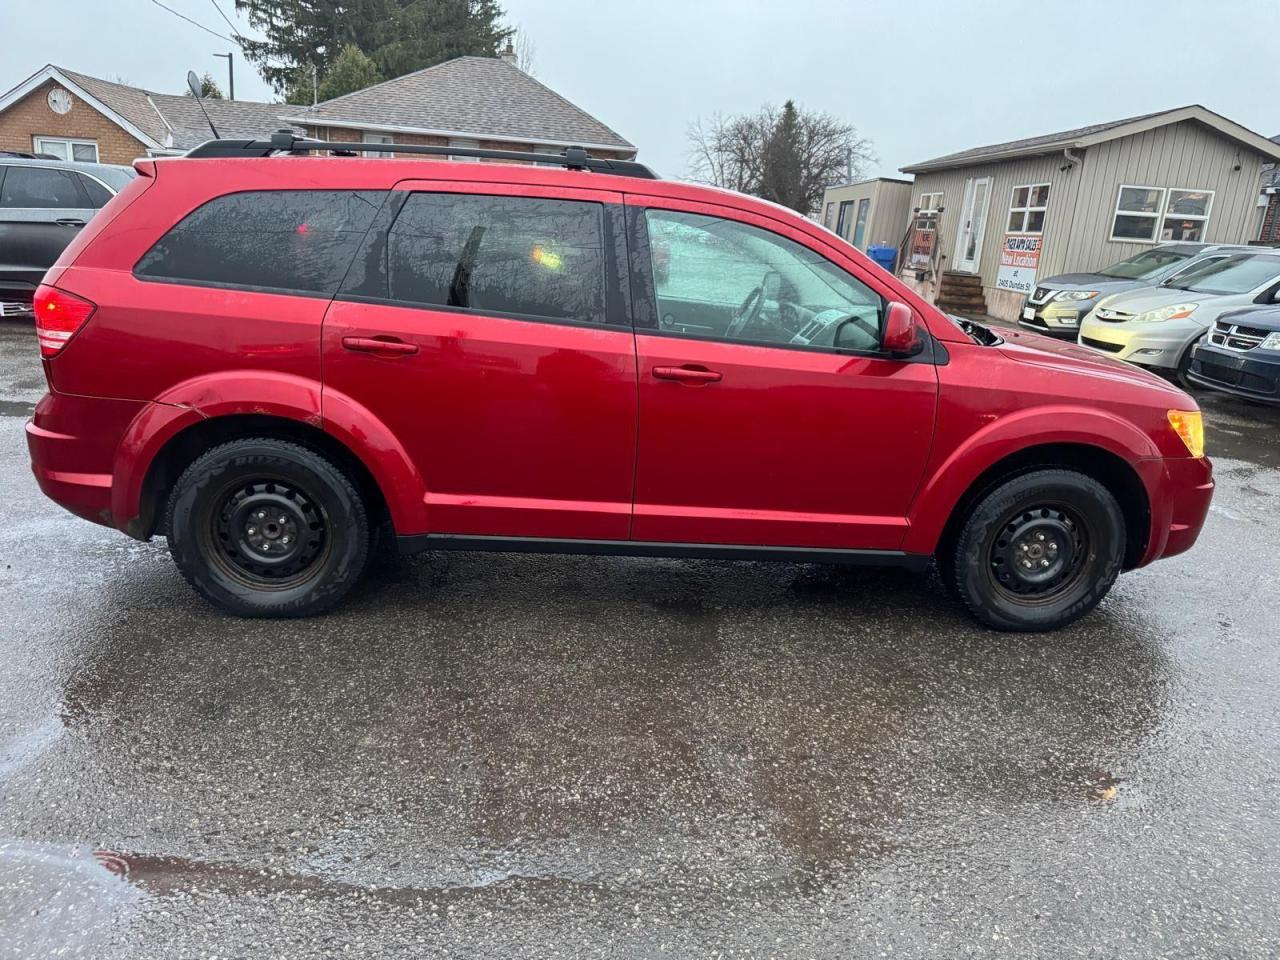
[
  {"x": 826, "y": 219},
  {"x": 367, "y": 137},
  {"x": 930, "y": 202},
  {"x": 1027, "y": 208},
  {"x": 1186, "y": 214},
  {"x": 467, "y": 144},
  {"x": 86, "y": 151},
  {"x": 1148, "y": 214}
]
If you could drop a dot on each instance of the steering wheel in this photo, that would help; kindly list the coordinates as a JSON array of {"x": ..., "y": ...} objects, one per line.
[{"x": 748, "y": 313}]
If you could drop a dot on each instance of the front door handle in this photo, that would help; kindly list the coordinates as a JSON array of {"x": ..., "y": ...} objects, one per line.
[
  {"x": 70, "y": 222},
  {"x": 378, "y": 345},
  {"x": 689, "y": 373}
]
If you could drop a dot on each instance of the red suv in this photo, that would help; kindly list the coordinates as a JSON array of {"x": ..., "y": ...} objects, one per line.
[{"x": 276, "y": 359}]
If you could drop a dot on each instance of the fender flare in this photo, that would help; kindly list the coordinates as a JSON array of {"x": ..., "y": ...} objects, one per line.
[
  {"x": 947, "y": 483},
  {"x": 286, "y": 396}
]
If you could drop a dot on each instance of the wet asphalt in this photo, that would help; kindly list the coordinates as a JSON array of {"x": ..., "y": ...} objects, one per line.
[{"x": 515, "y": 756}]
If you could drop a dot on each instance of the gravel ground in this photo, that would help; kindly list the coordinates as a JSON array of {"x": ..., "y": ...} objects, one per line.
[{"x": 515, "y": 756}]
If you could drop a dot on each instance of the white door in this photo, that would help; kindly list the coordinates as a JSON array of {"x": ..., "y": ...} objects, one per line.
[{"x": 973, "y": 224}]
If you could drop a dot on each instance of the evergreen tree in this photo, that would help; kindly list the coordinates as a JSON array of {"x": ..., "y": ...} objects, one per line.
[{"x": 351, "y": 71}]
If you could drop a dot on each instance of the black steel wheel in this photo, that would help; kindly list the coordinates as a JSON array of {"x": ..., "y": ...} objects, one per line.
[
  {"x": 1038, "y": 551},
  {"x": 268, "y": 528}
]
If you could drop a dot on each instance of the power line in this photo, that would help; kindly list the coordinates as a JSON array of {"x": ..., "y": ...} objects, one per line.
[
  {"x": 194, "y": 23},
  {"x": 234, "y": 31}
]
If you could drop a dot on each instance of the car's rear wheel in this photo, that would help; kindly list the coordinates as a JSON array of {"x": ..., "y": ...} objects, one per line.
[
  {"x": 268, "y": 528},
  {"x": 1039, "y": 551}
]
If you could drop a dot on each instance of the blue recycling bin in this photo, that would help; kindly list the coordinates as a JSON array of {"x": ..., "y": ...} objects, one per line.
[{"x": 884, "y": 255}]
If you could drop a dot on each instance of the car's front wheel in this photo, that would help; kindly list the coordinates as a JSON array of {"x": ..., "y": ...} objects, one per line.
[
  {"x": 268, "y": 528},
  {"x": 1039, "y": 551}
]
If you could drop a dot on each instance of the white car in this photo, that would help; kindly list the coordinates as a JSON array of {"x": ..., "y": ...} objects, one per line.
[{"x": 1157, "y": 326}]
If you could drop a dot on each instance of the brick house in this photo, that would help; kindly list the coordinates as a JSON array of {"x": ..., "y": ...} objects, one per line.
[
  {"x": 76, "y": 116},
  {"x": 471, "y": 101},
  {"x": 485, "y": 102},
  {"x": 1270, "y": 201}
]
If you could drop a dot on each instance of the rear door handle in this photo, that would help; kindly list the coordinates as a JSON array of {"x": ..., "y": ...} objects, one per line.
[
  {"x": 378, "y": 345},
  {"x": 689, "y": 373},
  {"x": 69, "y": 222}
]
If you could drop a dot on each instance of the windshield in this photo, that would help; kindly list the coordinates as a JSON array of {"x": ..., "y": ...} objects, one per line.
[
  {"x": 1145, "y": 264},
  {"x": 1229, "y": 275}
]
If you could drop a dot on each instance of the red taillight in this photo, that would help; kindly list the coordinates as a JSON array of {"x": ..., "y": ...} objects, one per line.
[{"x": 58, "y": 316}]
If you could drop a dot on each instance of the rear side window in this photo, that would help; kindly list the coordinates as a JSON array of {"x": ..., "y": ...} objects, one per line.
[
  {"x": 518, "y": 255},
  {"x": 41, "y": 187},
  {"x": 98, "y": 194},
  {"x": 295, "y": 241}
]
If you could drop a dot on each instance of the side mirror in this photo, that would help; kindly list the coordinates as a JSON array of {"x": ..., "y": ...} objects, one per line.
[{"x": 901, "y": 335}]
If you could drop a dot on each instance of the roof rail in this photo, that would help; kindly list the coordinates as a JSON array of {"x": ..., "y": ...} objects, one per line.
[{"x": 286, "y": 142}]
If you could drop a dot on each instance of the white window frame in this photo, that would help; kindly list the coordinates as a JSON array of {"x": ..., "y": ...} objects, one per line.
[
  {"x": 1204, "y": 220},
  {"x": 70, "y": 143},
  {"x": 1029, "y": 209},
  {"x": 935, "y": 197},
  {"x": 466, "y": 144},
  {"x": 371, "y": 136}
]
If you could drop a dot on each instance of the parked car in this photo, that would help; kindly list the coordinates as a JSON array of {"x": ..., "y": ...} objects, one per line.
[
  {"x": 1157, "y": 327},
  {"x": 1241, "y": 355},
  {"x": 43, "y": 203},
  {"x": 1057, "y": 304},
  {"x": 275, "y": 360}
]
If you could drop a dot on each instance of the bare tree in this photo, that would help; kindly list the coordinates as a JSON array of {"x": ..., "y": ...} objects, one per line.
[
  {"x": 526, "y": 52},
  {"x": 788, "y": 155}
]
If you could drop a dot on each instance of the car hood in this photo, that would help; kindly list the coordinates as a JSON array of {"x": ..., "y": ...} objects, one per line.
[
  {"x": 1153, "y": 298},
  {"x": 1090, "y": 281},
  {"x": 1063, "y": 355}
]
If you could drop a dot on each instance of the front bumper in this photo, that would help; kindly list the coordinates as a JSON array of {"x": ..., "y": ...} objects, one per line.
[
  {"x": 1054, "y": 319},
  {"x": 1180, "y": 491},
  {"x": 1253, "y": 374},
  {"x": 1146, "y": 344}
]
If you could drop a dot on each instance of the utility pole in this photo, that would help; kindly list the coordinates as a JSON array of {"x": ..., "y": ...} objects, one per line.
[{"x": 231, "y": 75}]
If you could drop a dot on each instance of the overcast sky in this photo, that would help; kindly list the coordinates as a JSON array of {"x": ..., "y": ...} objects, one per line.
[{"x": 918, "y": 79}]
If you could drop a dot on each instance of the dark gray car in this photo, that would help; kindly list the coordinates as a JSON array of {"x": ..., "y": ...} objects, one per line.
[
  {"x": 43, "y": 204},
  {"x": 1056, "y": 305}
]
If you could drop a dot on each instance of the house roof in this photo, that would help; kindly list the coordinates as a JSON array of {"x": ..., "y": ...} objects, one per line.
[
  {"x": 1083, "y": 137},
  {"x": 476, "y": 97},
  {"x": 161, "y": 121}
]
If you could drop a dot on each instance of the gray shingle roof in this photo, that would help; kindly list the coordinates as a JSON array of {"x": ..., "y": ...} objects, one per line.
[
  {"x": 233, "y": 118},
  {"x": 1048, "y": 141},
  {"x": 483, "y": 97}
]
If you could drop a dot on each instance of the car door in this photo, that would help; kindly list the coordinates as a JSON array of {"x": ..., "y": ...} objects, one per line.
[
  {"x": 486, "y": 326},
  {"x": 41, "y": 209},
  {"x": 757, "y": 429}
]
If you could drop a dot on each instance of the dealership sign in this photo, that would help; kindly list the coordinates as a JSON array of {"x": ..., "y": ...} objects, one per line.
[
  {"x": 923, "y": 243},
  {"x": 1019, "y": 261}
]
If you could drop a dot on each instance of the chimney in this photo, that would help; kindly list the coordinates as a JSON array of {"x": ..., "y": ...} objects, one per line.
[{"x": 509, "y": 54}]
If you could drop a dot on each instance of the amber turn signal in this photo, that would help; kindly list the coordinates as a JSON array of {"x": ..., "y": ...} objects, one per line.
[{"x": 1189, "y": 425}]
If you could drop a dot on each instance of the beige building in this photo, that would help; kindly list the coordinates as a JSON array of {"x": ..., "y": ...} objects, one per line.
[
  {"x": 1078, "y": 200},
  {"x": 868, "y": 212}
]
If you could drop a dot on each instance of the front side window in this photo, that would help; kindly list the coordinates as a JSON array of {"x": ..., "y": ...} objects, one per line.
[
  {"x": 298, "y": 241},
  {"x": 41, "y": 188},
  {"x": 85, "y": 151},
  {"x": 1027, "y": 208},
  {"x": 526, "y": 256},
  {"x": 726, "y": 280}
]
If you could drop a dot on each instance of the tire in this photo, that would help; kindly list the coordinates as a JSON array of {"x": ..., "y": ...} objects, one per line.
[
  {"x": 1038, "y": 551},
  {"x": 1184, "y": 367},
  {"x": 278, "y": 498}
]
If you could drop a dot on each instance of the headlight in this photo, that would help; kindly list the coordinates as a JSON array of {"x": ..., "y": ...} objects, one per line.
[
  {"x": 1076, "y": 295},
  {"x": 1189, "y": 425},
  {"x": 1176, "y": 312},
  {"x": 1272, "y": 342}
]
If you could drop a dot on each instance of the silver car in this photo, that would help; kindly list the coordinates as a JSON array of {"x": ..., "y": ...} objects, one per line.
[
  {"x": 1057, "y": 304},
  {"x": 1157, "y": 326}
]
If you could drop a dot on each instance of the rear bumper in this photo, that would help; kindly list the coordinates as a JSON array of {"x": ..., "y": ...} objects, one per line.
[
  {"x": 1181, "y": 490},
  {"x": 72, "y": 442},
  {"x": 1241, "y": 374}
]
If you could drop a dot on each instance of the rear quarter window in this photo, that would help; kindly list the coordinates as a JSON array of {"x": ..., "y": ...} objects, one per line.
[{"x": 294, "y": 241}]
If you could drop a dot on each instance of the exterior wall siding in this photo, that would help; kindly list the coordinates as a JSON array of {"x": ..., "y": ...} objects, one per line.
[
  {"x": 1082, "y": 199},
  {"x": 886, "y": 217},
  {"x": 31, "y": 117}
]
